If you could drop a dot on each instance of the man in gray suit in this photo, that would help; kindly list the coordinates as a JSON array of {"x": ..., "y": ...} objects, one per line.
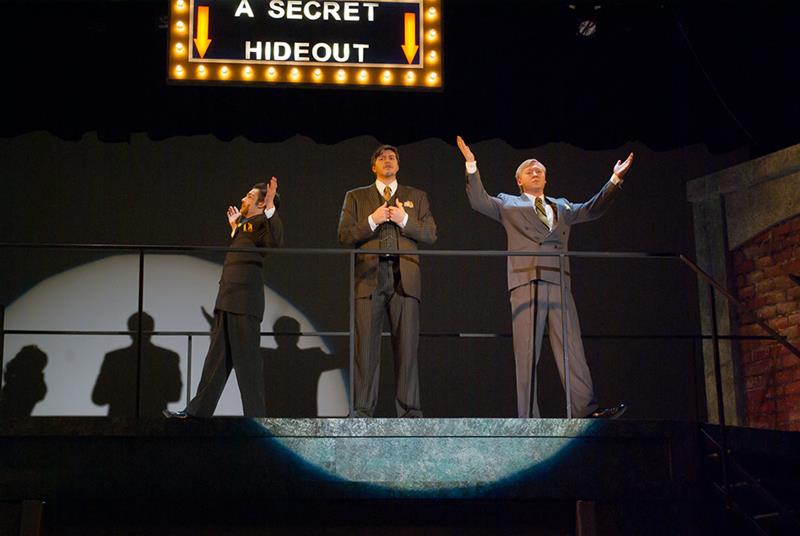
[
  {"x": 389, "y": 216},
  {"x": 235, "y": 331},
  {"x": 538, "y": 223}
]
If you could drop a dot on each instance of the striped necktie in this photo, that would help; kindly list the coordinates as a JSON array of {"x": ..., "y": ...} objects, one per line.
[
  {"x": 387, "y": 194},
  {"x": 540, "y": 211}
]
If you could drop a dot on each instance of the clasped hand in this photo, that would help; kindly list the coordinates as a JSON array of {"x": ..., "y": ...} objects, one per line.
[{"x": 386, "y": 213}]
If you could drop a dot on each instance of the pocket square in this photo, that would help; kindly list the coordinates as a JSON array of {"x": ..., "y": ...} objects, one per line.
[{"x": 408, "y": 204}]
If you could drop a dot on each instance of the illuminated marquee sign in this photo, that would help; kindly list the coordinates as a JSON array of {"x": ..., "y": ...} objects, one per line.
[{"x": 392, "y": 44}]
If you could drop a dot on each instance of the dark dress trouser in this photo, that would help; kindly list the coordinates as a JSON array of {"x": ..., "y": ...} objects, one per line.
[
  {"x": 235, "y": 344},
  {"x": 403, "y": 314}
]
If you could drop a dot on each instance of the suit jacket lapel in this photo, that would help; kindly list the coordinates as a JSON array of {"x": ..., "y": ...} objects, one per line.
[{"x": 557, "y": 211}]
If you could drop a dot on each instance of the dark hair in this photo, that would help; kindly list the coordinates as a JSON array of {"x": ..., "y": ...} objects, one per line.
[
  {"x": 262, "y": 193},
  {"x": 380, "y": 150},
  {"x": 262, "y": 190}
]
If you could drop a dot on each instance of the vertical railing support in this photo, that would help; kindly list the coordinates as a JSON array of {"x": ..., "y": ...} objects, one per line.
[
  {"x": 2, "y": 342},
  {"x": 562, "y": 286},
  {"x": 139, "y": 346},
  {"x": 189, "y": 371},
  {"x": 720, "y": 401},
  {"x": 352, "y": 332}
]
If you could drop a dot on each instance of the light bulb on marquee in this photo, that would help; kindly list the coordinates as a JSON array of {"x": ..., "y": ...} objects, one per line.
[{"x": 267, "y": 62}]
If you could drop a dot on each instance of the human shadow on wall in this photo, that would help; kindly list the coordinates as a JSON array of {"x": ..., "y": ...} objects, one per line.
[
  {"x": 291, "y": 374},
  {"x": 160, "y": 384},
  {"x": 24, "y": 383}
]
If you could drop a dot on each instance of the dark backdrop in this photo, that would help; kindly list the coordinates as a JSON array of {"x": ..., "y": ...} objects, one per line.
[
  {"x": 175, "y": 191},
  {"x": 667, "y": 73},
  {"x": 97, "y": 147}
]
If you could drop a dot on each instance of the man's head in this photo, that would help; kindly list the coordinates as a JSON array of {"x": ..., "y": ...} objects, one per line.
[
  {"x": 531, "y": 177},
  {"x": 385, "y": 163},
  {"x": 254, "y": 201}
]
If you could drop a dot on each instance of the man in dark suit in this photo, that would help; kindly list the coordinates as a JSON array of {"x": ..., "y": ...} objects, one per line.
[
  {"x": 538, "y": 223},
  {"x": 235, "y": 332},
  {"x": 389, "y": 216}
]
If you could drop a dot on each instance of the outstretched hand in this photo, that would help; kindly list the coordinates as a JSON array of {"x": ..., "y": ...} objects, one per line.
[
  {"x": 621, "y": 168},
  {"x": 272, "y": 189},
  {"x": 468, "y": 156},
  {"x": 233, "y": 216}
]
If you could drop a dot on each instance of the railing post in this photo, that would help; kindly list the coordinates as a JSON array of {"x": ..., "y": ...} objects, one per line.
[
  {"x": 139, "y": 335},
  {"x": 2, "y": 342},
  {"x": 352, "y": 333},
  {"x": 720, "y": 401},
  {"x": 189, "y": 371},
  {"x": 564, "y": 345}
]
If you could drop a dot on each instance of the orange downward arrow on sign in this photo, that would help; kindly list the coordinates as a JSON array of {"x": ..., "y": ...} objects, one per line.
[
  {"x": 410, "y": 47},
  {"x": 202, "y": 41}
]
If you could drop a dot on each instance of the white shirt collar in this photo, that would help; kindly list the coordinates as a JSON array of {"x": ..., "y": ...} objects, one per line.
[
  {"x": 533, "y": 197},
  {"x": 380, "y": 186}
]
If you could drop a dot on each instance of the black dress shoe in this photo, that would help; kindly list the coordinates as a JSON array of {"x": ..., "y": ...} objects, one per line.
[
  {"x": 614, "y": 412},
  {"x": 175, "y": 414}
]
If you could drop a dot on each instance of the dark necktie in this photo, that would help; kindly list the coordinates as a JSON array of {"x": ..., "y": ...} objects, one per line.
[
  {"x": 541, "y": 212},
  {"x": 388, "y": 231}
]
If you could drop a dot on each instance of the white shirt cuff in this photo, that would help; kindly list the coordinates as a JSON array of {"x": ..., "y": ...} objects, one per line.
[
  {"x": 372, "y": 224},
  {"x": 615, "y": 180},
  {"x": 472, "y": 167},
  {"x": 405, "y": 221},
  {"x": 269, "y": 213}
]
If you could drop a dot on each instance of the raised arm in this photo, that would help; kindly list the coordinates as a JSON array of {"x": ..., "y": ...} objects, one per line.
[
  {"x": 275, "y": 238},
  {"x": 601, "y": 201},
  {"x": 479, "y": 200}
]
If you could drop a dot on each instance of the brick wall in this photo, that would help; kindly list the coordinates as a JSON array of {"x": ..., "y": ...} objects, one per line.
[{"x": 771, "y": 373}]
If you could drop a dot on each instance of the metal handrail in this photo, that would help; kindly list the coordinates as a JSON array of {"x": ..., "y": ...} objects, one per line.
[
  {"x": 713, "y": 286},
  {"x": 352, "y": 252}
]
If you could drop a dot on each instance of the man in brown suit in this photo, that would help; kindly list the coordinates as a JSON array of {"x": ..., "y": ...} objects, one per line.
[{"x": 389, "y": 216}]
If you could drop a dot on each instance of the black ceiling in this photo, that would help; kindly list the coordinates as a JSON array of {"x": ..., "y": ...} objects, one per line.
[{"x": 664, "y": 73}]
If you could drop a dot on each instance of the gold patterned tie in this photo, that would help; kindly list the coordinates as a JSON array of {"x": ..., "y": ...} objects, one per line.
[
  {"x": 387, "y": 194},
  {"x": 541, "y": 212}
]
